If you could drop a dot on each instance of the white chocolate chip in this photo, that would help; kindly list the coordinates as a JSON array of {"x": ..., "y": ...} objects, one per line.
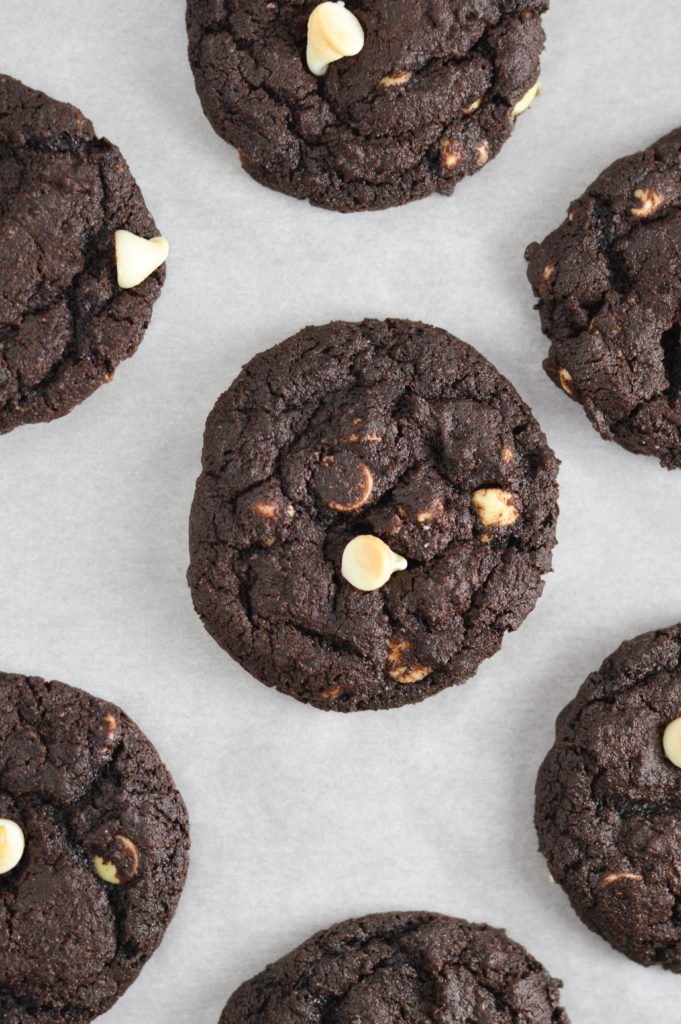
[
  {"x": 368, "y": 563},
  {"x": 111, "y": 727},
  {"x": 671, "y": 742},
  {"x": 389, "y": 80},
  {"x": 137, "y": 258},
  {"x": 566, "y": 381},
  {"x": 483, "y": 154},
  {"x": 400, "y": 667},
  {"x": 12, "y": 845},
  {"x": 332, "y": 32},
  {"x": 266, "y": 509},
  {"x": 525, "y": 101},
  {"x": 426, "y": 517},
  {"x": 495, "y": 507},
  {"x": 361, "y": 499},
  {"x": 451, "y": 157},
  {"x": 618, "y": 876},
  {"x": 650, "y": 201},
  {"x": 108, "y": 871},
  {"x": 474, "y": 106}
]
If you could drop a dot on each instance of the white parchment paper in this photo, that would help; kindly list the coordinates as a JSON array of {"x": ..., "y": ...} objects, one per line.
[{"x": 300, "y": 818}]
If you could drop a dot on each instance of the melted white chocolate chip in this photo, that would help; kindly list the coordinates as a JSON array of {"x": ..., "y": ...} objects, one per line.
[
  {"x": 108, "y": 871},
  {"x": 526, "y": 101},
  {"x": 495, "y": 507}
]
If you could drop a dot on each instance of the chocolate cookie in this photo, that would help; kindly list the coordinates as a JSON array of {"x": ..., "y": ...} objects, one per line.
[
  {"x": 65, "y": 324},
  {"x": 431, "y": 96},
  {"x": 608, "y": 812},
  {"x": 407, "y": 967},
  {"x": 396, "y": 433},
  {"x": 609, "y": 287},
  {"x": 93, "y": 852}
]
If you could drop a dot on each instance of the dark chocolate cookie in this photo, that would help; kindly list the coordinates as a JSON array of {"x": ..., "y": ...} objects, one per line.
[
  {"x": 105, "y": 858},
  {"x": 608, "y": 812},
  {"x": 389, "y": 429},
  {"x": 409, "y": 967},
  {"x": 430, "y": 98},
  {"x": 609, "y": 287},
  {"x": 65, "y": 324}
]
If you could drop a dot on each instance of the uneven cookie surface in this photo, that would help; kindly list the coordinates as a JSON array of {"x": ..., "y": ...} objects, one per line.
[
  {"x": 411, "y": 967},
  {"x": 609, "y": 287},
  {"x": 386, "y": 428},
  {"x": 86, "y": 787},
  {"x": 64, "y": 322},
  {"x": 428, "y": 100},
  {"x": 608, "y": 812}
]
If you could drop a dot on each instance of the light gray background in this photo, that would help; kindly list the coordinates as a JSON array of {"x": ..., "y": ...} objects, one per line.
[{"x": 301, "y": 818}]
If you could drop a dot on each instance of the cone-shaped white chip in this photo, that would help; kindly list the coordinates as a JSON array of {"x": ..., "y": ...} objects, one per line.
[
  {"x": 368, "y": 563},
  {"x": 332, "y": 32},
  {"x": 137, "y": 258}
]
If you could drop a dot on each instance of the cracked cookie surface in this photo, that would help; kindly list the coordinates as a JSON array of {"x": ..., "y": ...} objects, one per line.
[
  {"x": 386, "y": 428},
  {"x": 398, "y": 121},
  {"x": 411, "y": 967},
  {"x": 608, "y": 282},
  {"x": 608, "y": 812},
  {"x": 81, "y": 781},
  {"x": 64, "y": 322}
]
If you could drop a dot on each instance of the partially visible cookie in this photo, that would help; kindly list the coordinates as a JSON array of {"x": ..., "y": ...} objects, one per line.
[
  {"x": 376, "y": 510},
  {"x": 608, "y": 812},
  {"x": 65, "y": 322},
  {"x": 94, "y": 846},
  {"x": 431, "y": 96},
  {"x": 407, "y": 967},
  {"x": 608, "y": 282}
]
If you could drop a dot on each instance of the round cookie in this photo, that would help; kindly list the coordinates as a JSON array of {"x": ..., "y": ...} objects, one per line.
[
  {"x": 608, "y": 813},
  {"x": 608, "y": 282},
  {"x": 65, "y": 324},
  {"x": 407, "y": 967},
  {"x": 431, "y": 97},
  {"x": 105, "y": 858},
  {"x": 391, "y": 429}
]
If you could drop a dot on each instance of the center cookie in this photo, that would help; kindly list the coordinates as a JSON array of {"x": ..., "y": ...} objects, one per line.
[
  {"x": 371, "y": 105},
  {"x": 93, "y": 852},
  {"x": 376, "y": 510}
]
